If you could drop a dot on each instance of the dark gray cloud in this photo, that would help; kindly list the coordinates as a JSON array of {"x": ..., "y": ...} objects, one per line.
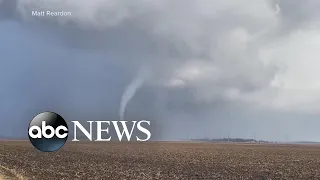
[{"x": 214, "y": 64}]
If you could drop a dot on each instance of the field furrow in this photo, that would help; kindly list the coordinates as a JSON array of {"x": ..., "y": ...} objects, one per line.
[{"x": 162, "y": 160}]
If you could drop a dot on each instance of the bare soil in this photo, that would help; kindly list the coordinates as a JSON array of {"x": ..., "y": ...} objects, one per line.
[{"x": 160, "y": 160}]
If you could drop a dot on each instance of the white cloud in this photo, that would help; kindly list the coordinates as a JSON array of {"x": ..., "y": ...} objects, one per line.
[
  {"x": 237, "y": 50},
  {"x": 298, "y": 87}
]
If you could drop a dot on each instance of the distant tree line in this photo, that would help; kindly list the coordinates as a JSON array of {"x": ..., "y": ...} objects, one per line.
[{"x": 229, "y": 140}]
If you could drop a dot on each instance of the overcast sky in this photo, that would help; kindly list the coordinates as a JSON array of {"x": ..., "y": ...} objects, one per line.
[{"x": 215, "y": 66}]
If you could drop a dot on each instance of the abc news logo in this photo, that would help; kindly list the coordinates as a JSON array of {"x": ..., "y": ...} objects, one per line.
[{"x": 48, "y": 131}]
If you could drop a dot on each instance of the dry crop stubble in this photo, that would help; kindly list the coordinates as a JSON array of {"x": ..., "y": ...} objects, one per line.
[
  {"x": 163, "y": 160},
  {"x": 9, "y": 174}
]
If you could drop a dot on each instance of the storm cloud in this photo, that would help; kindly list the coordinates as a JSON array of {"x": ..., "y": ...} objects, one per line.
[{"x": 217, "y": 67}]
